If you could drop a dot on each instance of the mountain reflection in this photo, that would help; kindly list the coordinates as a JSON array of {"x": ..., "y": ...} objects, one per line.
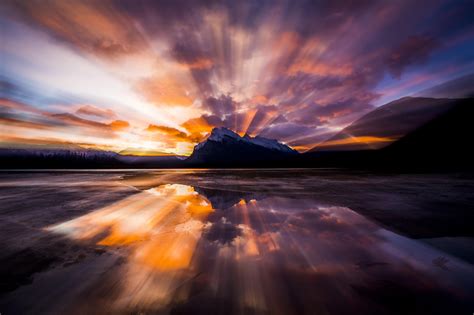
[{"x": 200, "y": 250}]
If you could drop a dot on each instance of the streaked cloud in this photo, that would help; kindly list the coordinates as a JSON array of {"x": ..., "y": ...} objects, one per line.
[
  {"x": 90, "y": 110},
  {"x": 297, "y": 71}
]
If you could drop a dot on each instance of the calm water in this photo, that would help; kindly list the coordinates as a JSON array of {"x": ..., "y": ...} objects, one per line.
[{"x": 241, "y": 241}]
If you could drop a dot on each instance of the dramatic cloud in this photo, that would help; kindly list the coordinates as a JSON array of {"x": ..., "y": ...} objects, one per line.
[
  {"x": 286, "y": 131},
  {"x": 221, "y": 106},
  {"x": 118, "y": 125},
  {"x": 74, "y": 120},
  {"x": 164, "y": 130},
  {"x": 188, "y": 56},
  {"x": 90, "y": 110},
  {"x": 172, "y": 138},
  {"x": 95, "y": 27},
  {"x": 414, "y": 49},
  {"x": 164, "y": 91},
  {"x": 299, "y": 71}
]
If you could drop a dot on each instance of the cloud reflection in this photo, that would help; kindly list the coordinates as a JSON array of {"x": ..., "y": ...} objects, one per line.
[{"x": 209, "y": 251}]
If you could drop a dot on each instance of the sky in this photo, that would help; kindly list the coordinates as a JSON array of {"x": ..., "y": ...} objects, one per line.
[{"x": 154, "y": 77}]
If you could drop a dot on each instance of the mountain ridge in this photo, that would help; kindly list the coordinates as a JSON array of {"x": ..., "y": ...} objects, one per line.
[
  {"x": 387, "y": 124},
  {"x": 219, "y": 134},
  {"x": 225, "y": 147},
  {"x": 438, "y": 141}
]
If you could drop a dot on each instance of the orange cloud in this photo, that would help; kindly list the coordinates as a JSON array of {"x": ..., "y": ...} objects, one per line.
[
  {"x": 166, "y": 130},
  {"x": 198, "y": 126},
  {"x": 171, "y": 136},
  {"x": 164, "y": 91},
  {"x": 319, "y": 68},
  {"x": 259, "y": 99},
  {"x": 199, "y": 64},
  {"x": 118, "y": 125},
  {"x": 287, "y": 42},
  {"x": 97, "y": 27}
]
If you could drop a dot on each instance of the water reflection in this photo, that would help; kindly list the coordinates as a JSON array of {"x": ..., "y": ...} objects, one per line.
[
  {"x": 197, "y": 250},
  {"x": 161, "y": 228}
]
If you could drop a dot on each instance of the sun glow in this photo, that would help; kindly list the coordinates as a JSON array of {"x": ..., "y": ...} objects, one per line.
[{"x": 99, "y": 74}]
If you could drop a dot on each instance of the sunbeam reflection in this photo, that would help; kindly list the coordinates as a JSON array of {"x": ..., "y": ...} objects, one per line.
[{"x": 182, "y": 249}]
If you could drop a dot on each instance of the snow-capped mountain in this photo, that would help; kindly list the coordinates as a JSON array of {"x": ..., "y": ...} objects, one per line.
[
  {"x": 269, "y": 143},
  {"x": 223, "y": 134},
  {"x": 224, "y": 146}
]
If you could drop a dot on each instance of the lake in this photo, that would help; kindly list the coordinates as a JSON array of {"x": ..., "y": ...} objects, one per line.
[{"x": 301, "y": 241}]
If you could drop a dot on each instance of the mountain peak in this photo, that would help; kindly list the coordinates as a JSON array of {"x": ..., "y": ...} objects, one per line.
[
  {"x": 225, "y": 145},
  {"x": 219, "y": 133}
]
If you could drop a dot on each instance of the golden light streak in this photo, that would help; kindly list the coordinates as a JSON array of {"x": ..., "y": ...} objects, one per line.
[
  {"x": 248, "y": 118},
  {"x": 269, "y": 117},
  {"x": 369, "y": 140}
]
